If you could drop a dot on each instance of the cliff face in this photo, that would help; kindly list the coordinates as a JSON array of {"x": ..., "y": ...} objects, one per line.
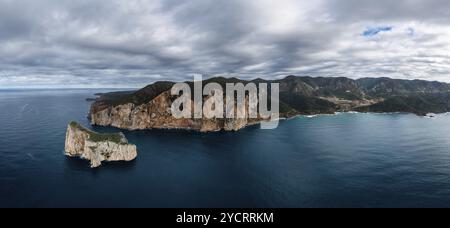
[
  {"x": 156, "y": 114},
  {"x": 95, "y": 147}
]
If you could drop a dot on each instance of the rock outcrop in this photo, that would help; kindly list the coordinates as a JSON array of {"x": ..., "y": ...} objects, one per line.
[
  {"x": 96, "y": 147},
  {"x": 156, "y": 114}
]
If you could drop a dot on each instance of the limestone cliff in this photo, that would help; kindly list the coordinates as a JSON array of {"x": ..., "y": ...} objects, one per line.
[
  {"x": 95, "y": 147},
  {"x": 156, "y": 114}
]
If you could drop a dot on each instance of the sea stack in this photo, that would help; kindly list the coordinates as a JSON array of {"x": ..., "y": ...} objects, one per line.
[{"x": 96, "y": 147}]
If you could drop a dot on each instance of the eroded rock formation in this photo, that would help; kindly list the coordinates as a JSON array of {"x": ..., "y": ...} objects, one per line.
[
  {"x": 96, "y": 147},
  {"x": 156, "y": 114}
]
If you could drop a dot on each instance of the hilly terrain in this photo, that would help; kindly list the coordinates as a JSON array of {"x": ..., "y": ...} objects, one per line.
[{"x": 298, "y": 95}]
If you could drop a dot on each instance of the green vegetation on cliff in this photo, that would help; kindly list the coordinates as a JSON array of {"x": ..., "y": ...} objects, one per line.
[
  {"x": 420, "y": 104},
  {"x": 100, "y": 137}
]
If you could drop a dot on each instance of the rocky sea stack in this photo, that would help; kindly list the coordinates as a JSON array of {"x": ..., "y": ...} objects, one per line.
[{"x": 96, "y": 147}]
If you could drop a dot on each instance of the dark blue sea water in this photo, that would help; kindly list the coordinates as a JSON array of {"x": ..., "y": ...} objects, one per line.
[{"x": 347, "y": 160}]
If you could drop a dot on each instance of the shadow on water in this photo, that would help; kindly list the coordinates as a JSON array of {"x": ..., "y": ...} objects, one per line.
[
  {"x": 209, "y": 139},
  {"x": 79, "y": 164}
]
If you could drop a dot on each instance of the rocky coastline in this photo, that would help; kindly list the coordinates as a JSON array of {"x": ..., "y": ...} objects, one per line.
[{"x": 149, "y": 108}]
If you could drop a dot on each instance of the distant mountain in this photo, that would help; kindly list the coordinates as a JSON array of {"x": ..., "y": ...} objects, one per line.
[{"x": 147, "y": 107}]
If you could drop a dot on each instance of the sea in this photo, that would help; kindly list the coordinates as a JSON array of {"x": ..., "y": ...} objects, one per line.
[{"x": 343, "y": 160}]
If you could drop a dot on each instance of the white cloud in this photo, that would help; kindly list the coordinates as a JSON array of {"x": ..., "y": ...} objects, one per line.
[{"x": 133, "y": 43}]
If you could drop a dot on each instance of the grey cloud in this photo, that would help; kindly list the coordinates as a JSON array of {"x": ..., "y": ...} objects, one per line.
[
  {"x": 385, "y": 10},
  {"x": 135, "y": 42}
]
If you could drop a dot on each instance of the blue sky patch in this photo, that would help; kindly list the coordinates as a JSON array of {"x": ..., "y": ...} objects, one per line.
[
  {"x": 411, "y": 31},
  {"x": 373, "y": 31}
]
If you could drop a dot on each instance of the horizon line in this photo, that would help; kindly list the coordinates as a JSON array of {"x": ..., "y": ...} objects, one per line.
[{"x": 80, "y": 87}]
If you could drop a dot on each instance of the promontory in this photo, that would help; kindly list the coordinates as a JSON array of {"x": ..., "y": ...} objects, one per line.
[{"x": 149, "y": 108}]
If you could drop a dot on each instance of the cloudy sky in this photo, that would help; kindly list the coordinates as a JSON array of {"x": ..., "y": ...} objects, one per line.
[{"x": 118, "y": 43}]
